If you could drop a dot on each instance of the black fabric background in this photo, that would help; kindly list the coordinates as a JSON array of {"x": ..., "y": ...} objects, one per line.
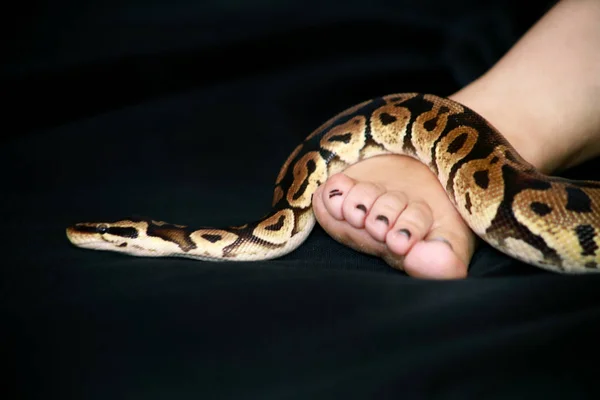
[{"x": 185, "y": 112}]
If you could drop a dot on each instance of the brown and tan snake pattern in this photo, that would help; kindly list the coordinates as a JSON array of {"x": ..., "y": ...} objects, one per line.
[{"x": 546, "y": 221}]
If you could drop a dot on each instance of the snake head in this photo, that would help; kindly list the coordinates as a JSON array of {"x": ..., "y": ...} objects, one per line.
[{"x": 112, "y": 236}]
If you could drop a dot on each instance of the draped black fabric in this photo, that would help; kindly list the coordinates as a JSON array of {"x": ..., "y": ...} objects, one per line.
[{"x": 184, "y": 112}]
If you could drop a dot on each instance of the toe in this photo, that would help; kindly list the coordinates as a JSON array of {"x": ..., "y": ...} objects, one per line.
[
  {"x": 359, "y": 202},
  {"x": 384, "y": 213},
  {"x": 334, "y": 192},
  {"x": 412, "y": 225},
  {"x": 444, "y": 253},
  {"x": 342, "y": 232},
  {"x": 434, "y": 259},
  {"x": 458, "y": 238}
]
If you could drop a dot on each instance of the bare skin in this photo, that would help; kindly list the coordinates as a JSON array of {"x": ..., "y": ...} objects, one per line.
[{"x": 543, "y": 95}]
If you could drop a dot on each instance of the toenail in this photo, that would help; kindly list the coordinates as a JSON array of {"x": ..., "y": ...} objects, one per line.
[
  {"x": 335, "y": 192},
  {"x": 405, "y": 232},
  {"x": 440, "y": 239},
  {"x": 361, "y": 207},
  {"x": 383, "y": 219}
]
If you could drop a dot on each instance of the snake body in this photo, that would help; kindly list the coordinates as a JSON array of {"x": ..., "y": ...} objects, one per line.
[{"x": 545, "y": 221}]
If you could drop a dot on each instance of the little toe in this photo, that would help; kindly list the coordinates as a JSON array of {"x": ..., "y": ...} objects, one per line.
[
  {"x": 384, "y": 213},
  {"x": 357, "y": 204},
  {"x": 412, "y": 225},
  {"x": 334, "y": 192}
]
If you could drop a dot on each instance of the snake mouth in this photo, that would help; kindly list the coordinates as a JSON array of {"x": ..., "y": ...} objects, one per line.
[
  {"x": 111, "y": 236},
  {"x": 83, "y": 235}
]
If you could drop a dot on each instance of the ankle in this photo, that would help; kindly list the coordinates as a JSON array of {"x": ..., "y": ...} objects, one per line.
[{"x": 541, "y": 136}]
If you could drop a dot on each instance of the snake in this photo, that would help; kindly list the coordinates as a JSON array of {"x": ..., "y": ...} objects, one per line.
[{"x": 542, "y": 220}]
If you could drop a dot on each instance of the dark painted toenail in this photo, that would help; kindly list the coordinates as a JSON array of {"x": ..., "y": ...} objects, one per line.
[
  {"x": 405, "y": 232},
  {"x": 383, "y": 219},
  {"x": 335, "y": 192},
  {"x": 361, "y": 207},
  {"x": 439, "y": 239}
]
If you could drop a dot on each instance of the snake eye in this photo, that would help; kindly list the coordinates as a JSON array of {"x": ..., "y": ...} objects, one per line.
[{"x": 101, "y": 229}]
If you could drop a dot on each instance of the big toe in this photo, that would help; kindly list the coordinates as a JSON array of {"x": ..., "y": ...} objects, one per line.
[
  {"x": 443, "y": 254},
  {"x": 434, "y": 259}
]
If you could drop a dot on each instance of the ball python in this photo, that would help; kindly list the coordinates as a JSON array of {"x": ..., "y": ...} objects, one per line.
[{"x": 546, "y": 221}]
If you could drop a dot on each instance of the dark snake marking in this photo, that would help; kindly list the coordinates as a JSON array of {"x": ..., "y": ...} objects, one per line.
[
  {"x": 585, "y": 235},
  {"x": 311, "y": 167},
  {"x": 126, "y": 232},
  {"x": 173, "y": 234},
  {"x": 457, "y": 143},
  {"x": 298, "y": 213},
  {"x": 86, "y": 228},
  {"x": 387, "y": 119},
  {"x": 540, "y": 209},
  {"x": 533, "y": 183},
  {"x": 326, "y": 155},
  {"x": 482, "y": 179},
  {"x": 345, "y": 138},
  {"x": 211, "y": 238},
  {"x": 276, "y": 226},
  {"x": 578, "y": 200},
  {"x": 430, "y": 124},
  {"x": 468, "y": 204}
]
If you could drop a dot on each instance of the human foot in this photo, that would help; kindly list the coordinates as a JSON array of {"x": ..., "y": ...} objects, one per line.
[
  {"x": 552, "y": 126},
  {"x": 393, "y": 207}
]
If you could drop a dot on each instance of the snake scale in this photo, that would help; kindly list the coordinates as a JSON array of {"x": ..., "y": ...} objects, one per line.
[{"x": 546, "y": 221}]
